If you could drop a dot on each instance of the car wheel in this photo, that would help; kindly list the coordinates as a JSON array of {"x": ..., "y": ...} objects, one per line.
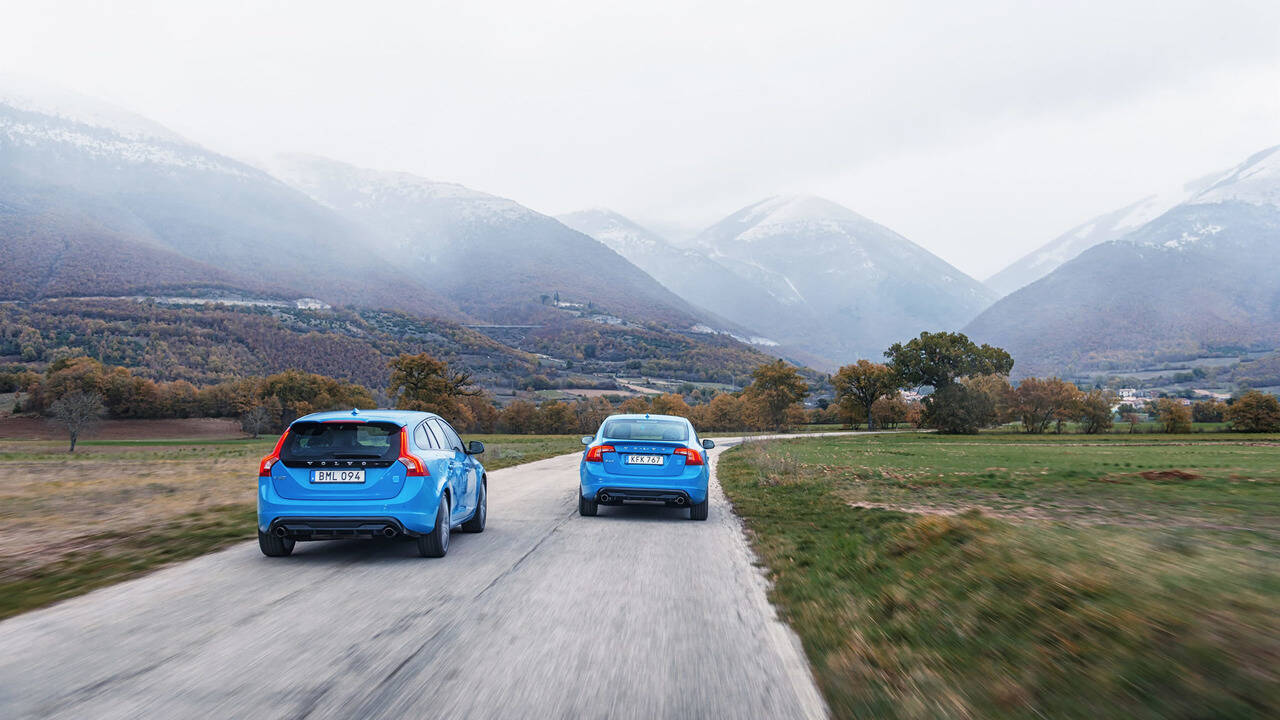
[
  {"x": 436, "y": 543},
  {"x": 273, "y": 546},
  {"x": 699, "y": 511},
  {"x": 587, "y": 508},
  {"x": 476, "y": 523}
]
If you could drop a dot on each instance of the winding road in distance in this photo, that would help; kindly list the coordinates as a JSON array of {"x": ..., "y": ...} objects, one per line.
[{"x": 637, "y": 613}]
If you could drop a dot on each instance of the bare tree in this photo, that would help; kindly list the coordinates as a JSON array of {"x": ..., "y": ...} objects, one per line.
[
  {"x": 78, "y": 412},
  {"x": 255, "y": 420}
]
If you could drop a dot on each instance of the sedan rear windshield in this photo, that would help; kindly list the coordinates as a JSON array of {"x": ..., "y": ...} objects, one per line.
[
  {"x": 342, "y": 441},
  {"x": 627, "y": 429}
]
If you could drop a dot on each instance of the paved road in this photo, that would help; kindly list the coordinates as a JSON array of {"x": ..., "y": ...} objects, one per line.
[{"x": 638, "y": 612}]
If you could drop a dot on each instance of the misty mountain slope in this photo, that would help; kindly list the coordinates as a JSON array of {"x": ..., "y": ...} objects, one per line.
[
  {"x": 688, "y": 273},
  {"x": 826, "y": 279},
  {"x": 1202, "y": 276},
  {"x": 493, "y": 256},
  {"x": 137, "y": 209},
  {"x": 1104, "y": 228}
]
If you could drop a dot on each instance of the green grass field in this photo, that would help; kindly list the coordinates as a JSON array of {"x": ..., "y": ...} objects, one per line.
[
  {"x": 70, "y": 523},
  {"x": 1023, "y": 576}
]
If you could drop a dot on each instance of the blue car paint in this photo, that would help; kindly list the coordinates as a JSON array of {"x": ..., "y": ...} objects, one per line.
[
  {"x": 672, "y": 475},
  {"x": 410, "y": 500}
]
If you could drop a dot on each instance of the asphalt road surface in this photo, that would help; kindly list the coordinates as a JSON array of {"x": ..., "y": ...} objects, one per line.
[{"x": 637, "y": 613}]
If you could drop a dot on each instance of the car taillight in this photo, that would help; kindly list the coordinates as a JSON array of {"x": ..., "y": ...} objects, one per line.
[
  {"x": 691, "y": 457},
  {"x": 596, "y": 454},
  {"x": 264, "y": 467},
  {"x": 413, "y": 467}
]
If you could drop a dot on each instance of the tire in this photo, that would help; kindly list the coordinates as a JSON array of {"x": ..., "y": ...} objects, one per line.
[
  {"x": 699, "y": 511},
  {"x": 587, "y": 508},
  {"x": 476, "y": 523},
  {"x": 273, "y": 546},
  {"x": 436, "y": 543}
]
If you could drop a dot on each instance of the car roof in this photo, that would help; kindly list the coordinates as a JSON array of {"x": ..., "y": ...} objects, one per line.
[
  {"x": 646, "y": 416},
  {"x": 403, "y": 418}
]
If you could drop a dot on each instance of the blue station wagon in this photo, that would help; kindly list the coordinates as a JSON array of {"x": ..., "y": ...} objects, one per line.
[
  {"x": 648, "y": 459},
  {"x": 370, "y": 473}
]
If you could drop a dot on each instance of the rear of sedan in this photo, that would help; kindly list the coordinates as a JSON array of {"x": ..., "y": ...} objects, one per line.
[{"x": 653, "y": 459}]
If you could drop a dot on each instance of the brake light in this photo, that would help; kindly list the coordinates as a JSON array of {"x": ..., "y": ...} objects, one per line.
[
  {"x": 264, "y": 467},
  {"x": 596, "y": 454},
  {"x": 691, "y": 456},
  {"x": 413, "y": 467}
]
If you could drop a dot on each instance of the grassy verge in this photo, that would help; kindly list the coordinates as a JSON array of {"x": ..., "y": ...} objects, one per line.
[
  {"x": 937, "y": 577},
  {"x": 71, "y": 523}
]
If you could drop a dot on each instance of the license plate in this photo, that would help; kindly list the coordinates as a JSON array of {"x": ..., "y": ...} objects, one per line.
[
  {"x": 646, "y": 459},
  {"x": 337, "y": 476}
]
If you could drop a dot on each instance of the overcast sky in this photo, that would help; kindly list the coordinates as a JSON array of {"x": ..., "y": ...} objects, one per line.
[{"x": 977, "y": 129}]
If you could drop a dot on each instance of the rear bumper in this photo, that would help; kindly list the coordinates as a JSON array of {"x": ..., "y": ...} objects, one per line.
[
  {"x": 335, "y": 528},
  {"x": 413, "y": 514},
  {"x": 691, "y": 486}
]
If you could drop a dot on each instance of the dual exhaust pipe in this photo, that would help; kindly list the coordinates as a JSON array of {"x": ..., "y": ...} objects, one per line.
[
  {"x": 605, "y": 497},
  {"x": 281, "y": 531}
]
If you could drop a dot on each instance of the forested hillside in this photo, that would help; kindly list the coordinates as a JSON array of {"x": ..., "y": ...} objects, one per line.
[{"x": 207, "y": 344}]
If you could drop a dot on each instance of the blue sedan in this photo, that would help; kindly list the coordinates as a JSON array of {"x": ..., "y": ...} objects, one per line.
[
  {"x": 645, "y": 459},
  {"x": 370, "y": 473}
]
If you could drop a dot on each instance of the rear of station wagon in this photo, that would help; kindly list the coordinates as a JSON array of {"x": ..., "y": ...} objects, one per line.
[
  {"x": 645, "y": 459},
  {"x": 375, "y": 473}
]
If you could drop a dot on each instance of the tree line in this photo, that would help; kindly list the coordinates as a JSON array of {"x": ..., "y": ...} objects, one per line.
[
  {"x": 969, "y": 383},
  {"x": 971, "y": 390}
]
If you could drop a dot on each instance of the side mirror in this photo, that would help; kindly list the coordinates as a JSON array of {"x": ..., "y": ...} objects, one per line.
[
  {"x": 708, "y": 444},
  {"x": 586, "y": 439},
  {"x": 475, "y": 447}
]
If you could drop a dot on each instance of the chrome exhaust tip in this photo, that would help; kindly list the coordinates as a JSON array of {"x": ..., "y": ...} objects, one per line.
[
  {"x": 281, "y": 531},
  {"x": 680, "y": 500},
  {"x": 602, "y": 497},
  {"x": 389, "y": 531}
]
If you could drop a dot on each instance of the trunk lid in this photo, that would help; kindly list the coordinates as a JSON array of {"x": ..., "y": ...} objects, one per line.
[
  {"x": 340, "y": 460},
  {"x": 627, "y": 458}
]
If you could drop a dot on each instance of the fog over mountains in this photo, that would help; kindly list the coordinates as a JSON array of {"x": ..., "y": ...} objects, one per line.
[
  {"x": 804, "y": 272},
  {"x": 1104, "y": 228},
  {"x": 1200, "y": 277},
  {"x": 95, "y": 201}
]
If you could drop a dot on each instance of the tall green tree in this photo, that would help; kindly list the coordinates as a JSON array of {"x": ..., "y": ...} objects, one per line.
[
  {"x": 860, "y": 385},
  {"x": 774, "y": 389},
  {"x": 421, "y": 382},
  {"x": 941, "y": 360}
]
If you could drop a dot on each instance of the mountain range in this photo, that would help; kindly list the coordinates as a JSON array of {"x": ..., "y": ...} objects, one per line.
[
  {"x": 1198, "y": 278},
  {"x": 99, "y": 203},
  {"x": 1104, "y": 228},
  {"x": 806, "y": 273}
]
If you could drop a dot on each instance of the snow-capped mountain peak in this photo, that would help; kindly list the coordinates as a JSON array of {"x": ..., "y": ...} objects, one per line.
[
  {"x": 23, "y": 94},
  {"x": 784, "y": 209},
  {"x": 362, "y": 187},
  {"x": 1255, "y": 181}
]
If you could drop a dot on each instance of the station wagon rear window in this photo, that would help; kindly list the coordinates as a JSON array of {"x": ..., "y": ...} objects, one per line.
[
  {"x": 637, "y": 429},
  {"x": 342, "y": 441}
]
